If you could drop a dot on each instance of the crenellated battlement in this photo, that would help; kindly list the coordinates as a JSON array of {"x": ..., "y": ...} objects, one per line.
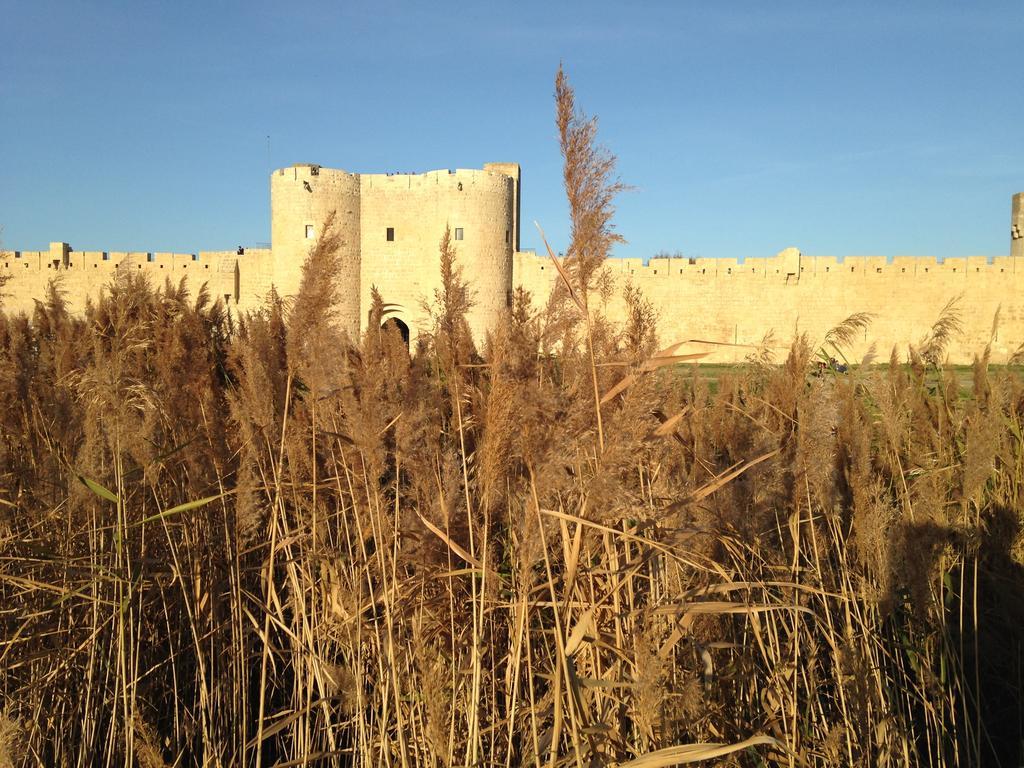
[
  {"x": 12, "y": 262},
  {"x": 786, "y": 268},
  {"x": 434, "y": 182},
  {"x": 492, "y": 174}
]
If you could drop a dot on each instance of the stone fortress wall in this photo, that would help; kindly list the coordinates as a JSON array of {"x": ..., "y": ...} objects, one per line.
[
  {"x": 82, "y": 274},
  {"x": 739, "y": 302},
  {"x": 390, "y": 226},
  {"x": 727, "y": 307}
]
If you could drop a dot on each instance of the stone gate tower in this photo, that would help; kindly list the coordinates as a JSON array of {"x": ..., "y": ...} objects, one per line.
[{"x": 391, "y": 226}]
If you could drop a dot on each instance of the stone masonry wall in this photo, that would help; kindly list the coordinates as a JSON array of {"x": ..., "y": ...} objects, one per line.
[
  {"x": 738, "y": 303},
  {"x": 240, "y": 280}
]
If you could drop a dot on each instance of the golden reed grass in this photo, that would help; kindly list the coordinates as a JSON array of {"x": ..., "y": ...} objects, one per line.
[{"x": 263, "y": 543}]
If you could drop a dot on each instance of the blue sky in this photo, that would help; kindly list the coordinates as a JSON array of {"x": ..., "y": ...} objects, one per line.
[{"x": 744, "y": 127}]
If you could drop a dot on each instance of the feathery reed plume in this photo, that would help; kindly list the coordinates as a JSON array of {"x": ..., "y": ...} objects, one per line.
[
  {"x": 764, "y": 354},
  {"x": 315, "y": 335},
  {"x": 995, "y": 324},
  {"x": 948, "y": 324},
  {"x": 1017, "y": 356},
  {"x": 452, "y": 302},
  {"x": 843, "y": 335},
  {"x": 870, "y": 356},
  {"x": 10, "y": 733},
  {"x": 640, "y": 334},
  {"x": 590, "y": 186},
  {"x": 588, "y": 174}
]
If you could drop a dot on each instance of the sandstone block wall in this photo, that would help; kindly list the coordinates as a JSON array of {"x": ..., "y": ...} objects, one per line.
[
  {"x": 513, "y": 171},
  {"x": 724, "y": 301},
  {"x": 240, "y": 280}
]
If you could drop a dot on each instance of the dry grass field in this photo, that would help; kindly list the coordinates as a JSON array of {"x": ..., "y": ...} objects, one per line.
[{"x": 262, "y": 543}]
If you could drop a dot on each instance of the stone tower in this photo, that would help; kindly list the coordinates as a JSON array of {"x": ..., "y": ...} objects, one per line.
[
  {"x": 302, "y": 198},
  {"x": 1017, "y": 229},
  {"x": 391, "y": 226}
]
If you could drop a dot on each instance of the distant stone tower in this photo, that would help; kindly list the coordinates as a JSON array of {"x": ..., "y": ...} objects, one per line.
[
  {"x": 302, "y": 197},
  {"x": 1017, "y": 230}
]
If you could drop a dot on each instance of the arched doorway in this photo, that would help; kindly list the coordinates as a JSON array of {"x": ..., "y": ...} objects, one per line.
[{"x": 397, "y": 322}]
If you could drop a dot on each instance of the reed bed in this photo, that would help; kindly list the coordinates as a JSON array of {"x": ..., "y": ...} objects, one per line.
[{"x": 253, "y": 541}]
